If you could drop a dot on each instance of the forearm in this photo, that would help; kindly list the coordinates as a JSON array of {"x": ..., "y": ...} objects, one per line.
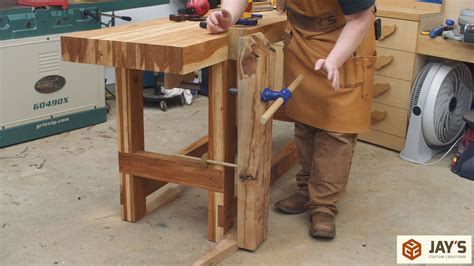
[
  {"x": 235, "y": 7},
  {"x": 351, "y": 37}
]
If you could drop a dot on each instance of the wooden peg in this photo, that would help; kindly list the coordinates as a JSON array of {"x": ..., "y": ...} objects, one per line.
[
  {"x": 378, "y": 116},
  {"x": 381, "y": 88},
  {"x": 387, "y": 31},
  {"x": 383, "y": 61}
]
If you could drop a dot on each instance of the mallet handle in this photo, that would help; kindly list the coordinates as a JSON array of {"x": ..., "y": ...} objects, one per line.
[{"x": 279, "y": 102}]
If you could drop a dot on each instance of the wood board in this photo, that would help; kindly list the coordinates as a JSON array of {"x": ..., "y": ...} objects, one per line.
[{"x": 256, "y": 69}]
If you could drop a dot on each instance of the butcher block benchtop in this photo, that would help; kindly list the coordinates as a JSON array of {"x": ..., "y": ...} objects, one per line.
[{"x": 159, "y": 45}]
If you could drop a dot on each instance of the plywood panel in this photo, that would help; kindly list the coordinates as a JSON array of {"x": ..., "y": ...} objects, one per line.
[
  {"x": 405, "y": 65},
  {"x": 404, "y": 37},
  {"x": 383, "y": 139},
  {"x": 395, "y": 121}
]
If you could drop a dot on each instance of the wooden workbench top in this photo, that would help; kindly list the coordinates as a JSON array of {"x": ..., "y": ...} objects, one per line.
[{"x": 158, "y": 45}]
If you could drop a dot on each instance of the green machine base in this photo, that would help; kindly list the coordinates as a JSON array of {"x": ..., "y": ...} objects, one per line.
[
  {"x": 23, "y": 22},
  {"x": 52, "y": 126},
  {"x": 20, "y": 24}
]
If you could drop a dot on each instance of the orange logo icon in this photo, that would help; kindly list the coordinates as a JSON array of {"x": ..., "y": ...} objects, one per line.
[{"x": 411, "y": 249}]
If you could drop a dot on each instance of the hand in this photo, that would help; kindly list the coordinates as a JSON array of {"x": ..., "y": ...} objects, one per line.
[
  {"x": 332, "y": 71},
  {"x": 219, "y": 21}
]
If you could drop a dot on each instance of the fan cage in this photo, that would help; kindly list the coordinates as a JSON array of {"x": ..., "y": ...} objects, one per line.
[
  {"x": 448, "y": 120},
  {"x": 446, "y": 96}
]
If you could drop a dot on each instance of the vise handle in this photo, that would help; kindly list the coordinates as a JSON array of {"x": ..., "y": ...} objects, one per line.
[{"x": 279, "y": 102}]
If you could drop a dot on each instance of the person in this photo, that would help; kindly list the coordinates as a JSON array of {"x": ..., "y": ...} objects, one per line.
[{"x": 332, "y": 43}]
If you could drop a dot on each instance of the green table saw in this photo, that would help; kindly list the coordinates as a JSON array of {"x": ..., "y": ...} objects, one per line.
[{"x": 39, "y": 94}]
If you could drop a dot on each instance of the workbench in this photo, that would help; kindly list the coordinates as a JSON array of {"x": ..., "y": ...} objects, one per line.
[
  {"x": 176, "y": 48},
  {"x": 181, "y": 48}
]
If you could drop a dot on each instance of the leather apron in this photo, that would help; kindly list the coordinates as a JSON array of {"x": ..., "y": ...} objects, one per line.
[{"x": 312, "y": 31}]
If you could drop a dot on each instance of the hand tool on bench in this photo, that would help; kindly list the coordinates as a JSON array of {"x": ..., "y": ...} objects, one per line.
[
  {"x": 194, "y": 11},
  {"x": 280, "y": 97},
  {"x": 438, "y": 31},
  {"x": 248, "y": 18},
  {"x": 185, "y": 17},
  {"x": 242, "y": 21},
  {"x": 201, "y": 7}
]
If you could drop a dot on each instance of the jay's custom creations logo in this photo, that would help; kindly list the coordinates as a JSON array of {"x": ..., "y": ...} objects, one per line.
[
  {"x": 411, "y": 249},
  {"x": 434, "y": 249}
]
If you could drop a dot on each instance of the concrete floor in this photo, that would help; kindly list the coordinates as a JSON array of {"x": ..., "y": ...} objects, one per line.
[{"x": 59, "y": 204}]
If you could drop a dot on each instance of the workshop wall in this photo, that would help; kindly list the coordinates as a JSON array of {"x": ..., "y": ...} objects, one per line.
[
  {"x": 142, "y": 14},
  {"x": 453, "y": 7}
]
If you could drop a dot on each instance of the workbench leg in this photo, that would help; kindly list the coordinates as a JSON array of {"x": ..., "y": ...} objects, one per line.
[
  {"x": 256, "y": 65},
  {"x": 222, "y": 147},
  {"x": 129, "y": 101}
]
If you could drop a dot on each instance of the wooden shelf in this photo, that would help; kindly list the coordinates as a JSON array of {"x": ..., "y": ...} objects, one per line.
[{"x": 448, "y": 49}]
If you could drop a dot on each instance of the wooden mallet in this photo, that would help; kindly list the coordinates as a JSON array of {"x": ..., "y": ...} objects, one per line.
[{"x": 280, "y": 100}]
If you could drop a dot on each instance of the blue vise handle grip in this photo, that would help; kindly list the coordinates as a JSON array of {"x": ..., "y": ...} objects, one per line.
[{"x": 269, "y": 95}]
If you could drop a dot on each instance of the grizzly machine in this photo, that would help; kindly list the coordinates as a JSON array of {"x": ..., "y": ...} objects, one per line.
[{"x": 39, "y": 94}]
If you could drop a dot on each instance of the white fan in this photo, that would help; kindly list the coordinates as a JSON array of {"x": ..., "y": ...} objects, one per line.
[{"x": 440, "y": 96}]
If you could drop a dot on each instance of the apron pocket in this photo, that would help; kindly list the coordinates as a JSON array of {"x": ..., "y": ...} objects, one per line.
[
  {"x": 358, "y": 72},
  {"x": 287, "y": 35}
]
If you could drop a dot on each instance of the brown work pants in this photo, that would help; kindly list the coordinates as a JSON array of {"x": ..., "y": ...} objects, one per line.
[{"x": 326, "y": 159}]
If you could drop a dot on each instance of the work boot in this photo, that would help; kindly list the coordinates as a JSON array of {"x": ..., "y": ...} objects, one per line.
[
  {"x": 293, "y": 205},
  {"x": 322, "y": 225}
]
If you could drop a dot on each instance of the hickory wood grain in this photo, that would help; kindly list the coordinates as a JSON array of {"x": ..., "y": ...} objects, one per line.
[
  {"x": 133, "y": 188},
  {"x": 283, "y": 161},
  {"x": 197, "y": 148},
  {"x": 222, "y": 147},
  {"x": 255, "y": 68},
  {"x": 159, "y": 45},
  {"x": 171, "y": 169},
  {"x": 219, "y": 251}
]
